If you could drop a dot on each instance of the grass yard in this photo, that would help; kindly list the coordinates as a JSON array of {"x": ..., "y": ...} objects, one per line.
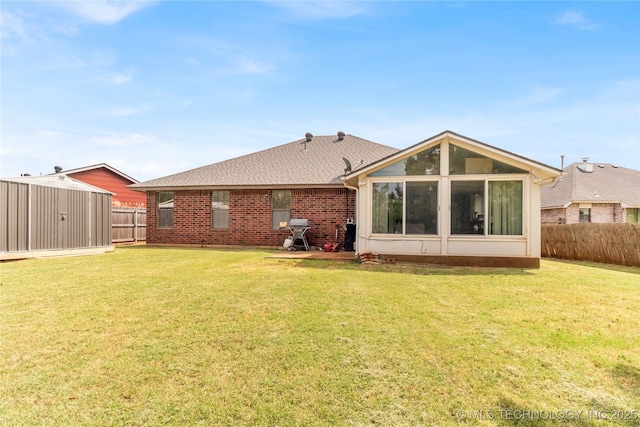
[{"x": 154, "y": 336}]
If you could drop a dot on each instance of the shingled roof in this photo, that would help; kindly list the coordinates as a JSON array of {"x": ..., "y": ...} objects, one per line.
[
  {"x": 594, "y": 183},
  {"x": 317, "y": 162}
]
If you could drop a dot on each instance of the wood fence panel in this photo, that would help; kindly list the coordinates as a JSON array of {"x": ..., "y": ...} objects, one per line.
[
  {"x": 128, "y": 225},
  {"x": 607, "y": 243}
]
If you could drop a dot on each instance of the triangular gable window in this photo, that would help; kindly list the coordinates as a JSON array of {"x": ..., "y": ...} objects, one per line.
[
  {"x": 426, "y": 162},
  {"x": 467, "y": 162}
]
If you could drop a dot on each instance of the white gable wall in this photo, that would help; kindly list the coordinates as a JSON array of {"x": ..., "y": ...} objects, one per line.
[{"x": 444, "y": 243}]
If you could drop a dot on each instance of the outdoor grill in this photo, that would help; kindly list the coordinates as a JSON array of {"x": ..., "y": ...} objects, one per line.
[{"x": 298, "y": 240}]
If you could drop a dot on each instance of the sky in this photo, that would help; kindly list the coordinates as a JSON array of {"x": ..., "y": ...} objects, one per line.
[{"x": 154, "y": 88}]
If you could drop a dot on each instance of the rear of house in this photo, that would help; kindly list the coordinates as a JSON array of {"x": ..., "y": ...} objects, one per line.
[{"x": 247, "y": 200}]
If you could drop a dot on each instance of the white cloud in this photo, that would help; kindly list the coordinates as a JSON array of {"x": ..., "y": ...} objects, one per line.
[
  {"x": 13, "y": 26},
  {"x": 129, "y": 111},
  {"x": 105, "y": 11},
  {"x": 323, "y": 9},
  {"x": 251, "y": 66},
  {"x": 575, "y": 19},
  {"x": 117, "y": 79},
  {"x": 124, "y": 140}
]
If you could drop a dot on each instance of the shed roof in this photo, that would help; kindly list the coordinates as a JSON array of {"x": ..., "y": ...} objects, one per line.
[
  {"x": 594, "y": 183},
  {"x": 301, "y": 163},
  {"x": 57, "y": 181}
]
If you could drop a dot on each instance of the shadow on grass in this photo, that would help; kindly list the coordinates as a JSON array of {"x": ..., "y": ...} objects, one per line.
[
  {"x": 410, "y": 268},
  {"x": 612, "y": 267}
]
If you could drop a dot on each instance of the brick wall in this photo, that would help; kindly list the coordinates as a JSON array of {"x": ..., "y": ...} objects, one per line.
[
  {"x": 250, "y": 217},
  {"x": 600, "y": 213}
]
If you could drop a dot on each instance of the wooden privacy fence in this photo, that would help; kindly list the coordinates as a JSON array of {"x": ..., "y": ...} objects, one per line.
[
  {"x": 608, "y": 243},
  {"x": 128, "y": 225}
]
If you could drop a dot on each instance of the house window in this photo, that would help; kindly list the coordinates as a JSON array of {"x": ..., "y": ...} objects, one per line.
[
  {"x": 387, "y": 207},
  {"x": 633, "y": 215},
  {"x": 426, "y": 162},
  {"x": 466, "y": 162},
  {"x": 280, "y": 207},
  {"x": 220, "y": 209},
  {"x": 165, "y": 209},
  {"x": 422, "y": 208},
  {"x": 415, "y": 212},
  {"x": 467, "y": 207},
  {"x": 504, "y": 207},
  {"x": 584, "y": 215}
]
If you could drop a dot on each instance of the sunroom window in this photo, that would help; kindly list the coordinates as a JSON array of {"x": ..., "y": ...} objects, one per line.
[
  {"x": 408, "y": 207},
  {"x": 504, "y": 206},
  {"x": 426, "y": 162},
  {"x": 467, "y": 162}
]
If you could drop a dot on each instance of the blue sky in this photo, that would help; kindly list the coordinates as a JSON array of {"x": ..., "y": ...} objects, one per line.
[{"x": 154, "y": 88}]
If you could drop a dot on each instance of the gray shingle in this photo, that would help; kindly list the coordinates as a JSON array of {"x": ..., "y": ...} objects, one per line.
[
  {"x": 315, "y": 163},
  {"x": 605, "y": 184}
]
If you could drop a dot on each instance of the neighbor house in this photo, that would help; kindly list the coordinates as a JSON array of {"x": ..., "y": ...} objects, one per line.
[
  {"x": 449, "y": 199},
  {"x": 108, "y": 178},
  {"x": 593, "y": 192}
]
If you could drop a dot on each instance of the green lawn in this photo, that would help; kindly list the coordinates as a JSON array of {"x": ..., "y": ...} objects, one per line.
[{"x": 154, "y": 336}]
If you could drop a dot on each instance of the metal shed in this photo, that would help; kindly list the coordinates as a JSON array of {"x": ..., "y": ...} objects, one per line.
[{"x": 44, "y": 216}]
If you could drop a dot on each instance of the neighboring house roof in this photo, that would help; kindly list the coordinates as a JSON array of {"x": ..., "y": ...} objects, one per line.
[
  {"x": 594, "y": 183},
  {"x": 544, "y": 171},
  {"x": 57, "y": 181},
  {"x": 98, "y": 166},
  {"x": 317, "y": 162}
]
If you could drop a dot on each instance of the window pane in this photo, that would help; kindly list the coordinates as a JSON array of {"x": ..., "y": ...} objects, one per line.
[
  {"x": 387, "y": 207},
  {"x": 280, "y": 207},
  {"x": 278, "y": 216},
  {"x": 585, "y": 215},
  {"x": 165, "y": 209},
  {"x": 465, "y": 162},
  {"x": 426, "y": 162},
  {"x": 422, "y": 208},
  {"x": 220, "y": 209},
  {"x": 467, "y": 207},
  {"x": 633, "y": 215},
  {"x": 505, "y": 208},
  {"x": 281, "y": 199}
]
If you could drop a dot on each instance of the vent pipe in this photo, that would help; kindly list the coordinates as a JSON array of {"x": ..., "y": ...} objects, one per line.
[
  {"x": 308, "y": 136},
  {"x": 340, "y": 136},
  {"x": 58, "y": 169}
]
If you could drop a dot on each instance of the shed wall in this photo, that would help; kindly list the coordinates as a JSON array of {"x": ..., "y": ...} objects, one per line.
[{"x": 40, "y": 218}]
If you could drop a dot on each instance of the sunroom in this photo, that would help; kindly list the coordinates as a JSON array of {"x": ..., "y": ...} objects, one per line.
[{"x": 451, "y": 200}]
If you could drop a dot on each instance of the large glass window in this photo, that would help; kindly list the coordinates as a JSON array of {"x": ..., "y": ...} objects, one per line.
[
  {"x": 467, "y": 207},
  {"x": 633, "y": 215},
  {"x": 220, "y": 209},
  {"x": 387, "y": 207},
  {"x": 505, "y": 208},
  {"x": 422, "y": 208},
  {"x": 418, "y": 214},
  {"x": 426, "y": 162},
  {"x": 467, "y": 162},
  {"x": 165, "y": 209},
  {"x": 280, "y": 207}
]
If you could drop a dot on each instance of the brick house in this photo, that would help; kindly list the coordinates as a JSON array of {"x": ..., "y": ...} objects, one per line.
[
  {"x": 588, "y": 192},
  {"x": 449, "y": 199},
  {"x": 244, "y": 201}
]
